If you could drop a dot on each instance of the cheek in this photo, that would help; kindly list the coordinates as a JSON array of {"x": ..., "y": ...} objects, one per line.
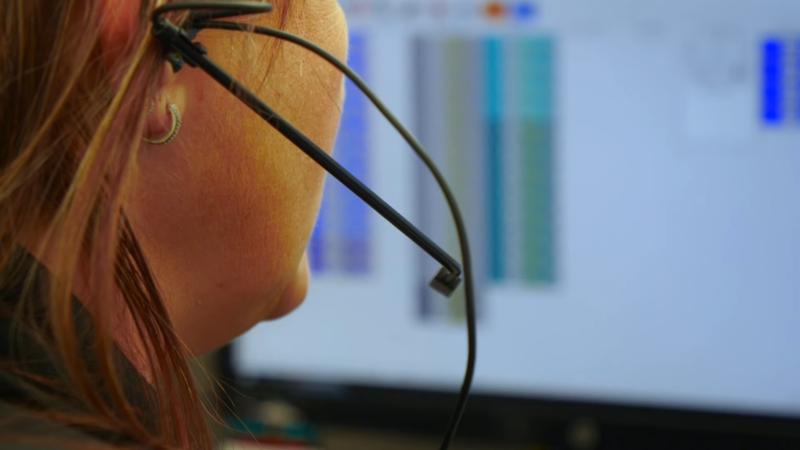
[
  {"x": 227, "y": 210},
  {"x": 260, "y": 194}
]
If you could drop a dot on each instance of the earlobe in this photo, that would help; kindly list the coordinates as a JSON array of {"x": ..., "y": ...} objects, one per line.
[
  {"x": 119, "y": 22},
  {"x": 164, "y": 114},
  {"x": 175, "y": 127}
]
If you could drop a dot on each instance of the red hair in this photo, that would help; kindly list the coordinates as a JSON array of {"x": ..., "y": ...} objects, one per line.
[{"x": 71, "y": 133}]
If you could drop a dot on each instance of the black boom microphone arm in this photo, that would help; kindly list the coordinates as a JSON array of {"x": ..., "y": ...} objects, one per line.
[{"x": 181, "y": 50}]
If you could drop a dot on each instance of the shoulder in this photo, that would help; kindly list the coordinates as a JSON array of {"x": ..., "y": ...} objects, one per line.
[
  {"x": 36, "y": 405},
  {"x": 23, "y": 430}
]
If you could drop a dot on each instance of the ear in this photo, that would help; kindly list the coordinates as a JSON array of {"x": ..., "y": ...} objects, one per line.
[{"x": 119, "y": 21}]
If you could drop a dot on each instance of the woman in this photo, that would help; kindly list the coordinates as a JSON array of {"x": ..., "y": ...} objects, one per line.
[{"x": 147, "y": 217}]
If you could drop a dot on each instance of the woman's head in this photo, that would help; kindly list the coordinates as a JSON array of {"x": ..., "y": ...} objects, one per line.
[
  {"x": 225, "y": 211},
  {"x": 206, "y": 233}
]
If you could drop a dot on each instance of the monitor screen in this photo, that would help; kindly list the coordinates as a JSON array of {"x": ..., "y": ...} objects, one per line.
[{"x": 630, "y": 175}]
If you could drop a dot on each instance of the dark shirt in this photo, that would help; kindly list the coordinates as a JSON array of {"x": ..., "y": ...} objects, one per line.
[{"x": 26, "y": 344}]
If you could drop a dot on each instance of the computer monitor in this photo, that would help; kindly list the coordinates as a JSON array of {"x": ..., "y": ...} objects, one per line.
[{"x": 629, "y": 174}]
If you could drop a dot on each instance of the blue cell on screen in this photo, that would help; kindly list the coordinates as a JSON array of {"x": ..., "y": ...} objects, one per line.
[{"x": 524, "y": 11}]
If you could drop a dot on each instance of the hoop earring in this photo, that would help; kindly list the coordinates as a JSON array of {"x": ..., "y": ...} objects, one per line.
[{"x": 173, "y": 133}]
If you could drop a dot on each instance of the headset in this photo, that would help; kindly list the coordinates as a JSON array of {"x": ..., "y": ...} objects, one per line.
[{"x": 181, "y": 49}]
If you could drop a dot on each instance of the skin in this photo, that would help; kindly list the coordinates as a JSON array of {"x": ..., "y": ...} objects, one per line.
[{"x": 224, "y": 213}]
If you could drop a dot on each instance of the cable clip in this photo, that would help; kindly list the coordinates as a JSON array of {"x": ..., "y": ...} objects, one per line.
[{"x": 179, "y": 42}]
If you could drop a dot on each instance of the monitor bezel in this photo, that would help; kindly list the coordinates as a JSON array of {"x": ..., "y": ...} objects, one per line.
[{"x": 505, "y": 418}]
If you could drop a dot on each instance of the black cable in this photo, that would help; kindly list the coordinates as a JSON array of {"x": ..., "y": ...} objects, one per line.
[
  {"x": 187, "y": 52},
  {"x": 420, "y": 151},
  {"x": 195, "y": 55},
  {"x": 226, "y": 9}
]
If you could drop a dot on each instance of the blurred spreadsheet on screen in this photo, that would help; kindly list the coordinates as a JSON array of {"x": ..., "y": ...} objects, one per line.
[{"x": 628, "y": 170}]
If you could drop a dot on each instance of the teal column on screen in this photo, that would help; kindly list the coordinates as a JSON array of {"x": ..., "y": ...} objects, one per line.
[
  {"x": 493, "y": 103},
  {"x": 536, "y": 92}
]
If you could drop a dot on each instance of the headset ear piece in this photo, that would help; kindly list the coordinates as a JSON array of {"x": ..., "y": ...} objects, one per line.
[{"x": 204, "y": 11}]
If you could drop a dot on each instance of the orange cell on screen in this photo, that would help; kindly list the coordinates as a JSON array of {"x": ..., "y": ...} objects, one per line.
[{"x": 495, "y": 10}]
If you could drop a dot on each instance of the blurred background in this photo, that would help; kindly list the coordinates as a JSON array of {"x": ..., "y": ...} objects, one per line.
[{"x": 629, "y": 174}]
